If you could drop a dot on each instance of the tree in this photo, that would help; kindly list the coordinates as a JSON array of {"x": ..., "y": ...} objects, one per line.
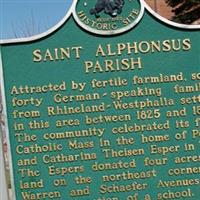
[{"x": 185, "y": 11}]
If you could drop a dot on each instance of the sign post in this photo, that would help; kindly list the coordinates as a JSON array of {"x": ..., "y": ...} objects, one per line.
[{"x": 106, "y": 107}]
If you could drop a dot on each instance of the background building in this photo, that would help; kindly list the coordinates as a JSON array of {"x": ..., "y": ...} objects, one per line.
[
  {"x": 183, "y": 12},
  {"x": 161, "y": 8}
]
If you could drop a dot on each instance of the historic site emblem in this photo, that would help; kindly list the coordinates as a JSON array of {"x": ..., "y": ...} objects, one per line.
[{"x": 108, "y": 17}]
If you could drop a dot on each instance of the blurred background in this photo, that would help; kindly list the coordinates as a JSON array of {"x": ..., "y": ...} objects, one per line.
[
  {"x": 181, "y": 11},
  {"x": 24, "y": 18}
]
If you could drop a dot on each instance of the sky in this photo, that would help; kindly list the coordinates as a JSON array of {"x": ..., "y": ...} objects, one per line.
[{"x": 23, "y": 18}]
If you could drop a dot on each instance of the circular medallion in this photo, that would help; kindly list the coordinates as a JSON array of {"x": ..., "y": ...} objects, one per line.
[{"x": 108, "y": 17}]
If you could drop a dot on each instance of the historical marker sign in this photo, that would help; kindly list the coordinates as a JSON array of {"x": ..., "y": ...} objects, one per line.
[{"x": 106, "y": 107}]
